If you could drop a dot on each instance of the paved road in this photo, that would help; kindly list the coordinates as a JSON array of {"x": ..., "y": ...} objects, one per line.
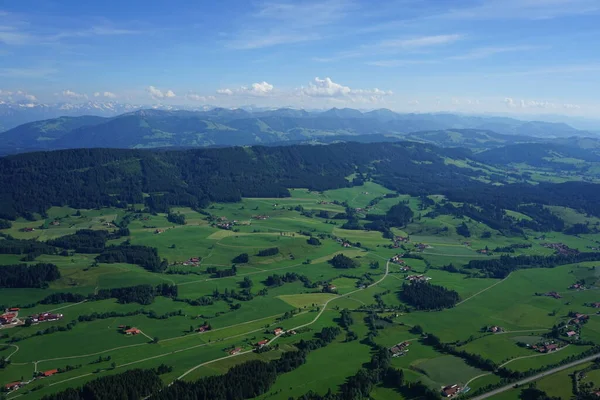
[{"x": 536, "y": 377}]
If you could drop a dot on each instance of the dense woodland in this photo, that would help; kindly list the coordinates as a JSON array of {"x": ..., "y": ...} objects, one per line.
[
  {"x": 24, "y": 276},
  {"x": 90, "y": 178},
  {"x": 425, "y": 296},
  {"x": 146, "y": 257}
]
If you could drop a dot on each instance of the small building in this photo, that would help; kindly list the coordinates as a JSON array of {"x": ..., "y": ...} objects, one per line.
[
  {"x": 346, "y": 244},
  {"x": 49, "y": 372},
  {"x": 553, "y": 295},
  {"x": 203, "y": 328},
  {"x": 133, "y": 331},
  {"x": 571, "y": 333},
  {"x": 278, "y": 331},
  {"x": 548, "y": 348},
  {"x": 14, "y": 309},
  {"x": 595, "y": 305},
  {"x": 417, "y": 278},
  {"x": 577, "y": 286},
  {"x": 12, "y": 386},
  {"x": 451, "y": 390},
  {"x": 7, "y": 318},
  {"x": 235, "y": 351},
  {"x": 262, "y": 343},
  {"x": 495, "y": 329},
  {"x": 55, "y": 223},
  {"x": 400, "y": 349}
]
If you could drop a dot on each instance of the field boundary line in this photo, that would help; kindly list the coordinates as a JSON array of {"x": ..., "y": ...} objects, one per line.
[
  {"x": 70, "y": 305},
  {"x": 481, "y": 291},
  {"x": 532, "y": 356}
]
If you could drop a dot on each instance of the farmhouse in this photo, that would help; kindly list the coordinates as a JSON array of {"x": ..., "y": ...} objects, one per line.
[
  {"x": 46, "y": 317},
  {"x": 262, "y": 343},
  {"x": 596, "y": 305},
  {"x": 12, "y": 386},
  {"x": 548, "y": 348},
  {"x": 204, "y": 328},
  {"x": 260, "y": 217},
  {"x": 451, "y": 391},
  {"x": 278, "y": 331},
  {"x": 346, "y": 244},
  {"x": 8, "y": 318},
  {"x": 495, "y": 329},
  {"x": 571, "y": 333},
  {"x": 235, "y": 351},
  {"x": 577, "y": 286},
  {"x": 49, "y": 373},
  {"x": 400, "y": 349},
  {"x": 14, "y": 309},
  {"x": 133, "y": 331},
  {"x": 27, "y": 229},
  {"x": 159, "y": 231},
  {"x": 397, "y": 259},
  {"x": 55, "y": 223}
]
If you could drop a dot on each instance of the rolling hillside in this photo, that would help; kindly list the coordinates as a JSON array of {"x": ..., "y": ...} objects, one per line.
[{"x": 225, "y": 127}]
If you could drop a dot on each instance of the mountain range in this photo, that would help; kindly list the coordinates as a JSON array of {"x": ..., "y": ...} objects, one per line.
[{"x": 158, "y": 128}]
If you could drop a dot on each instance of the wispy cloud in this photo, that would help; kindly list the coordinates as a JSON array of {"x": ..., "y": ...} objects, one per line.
[
  {"x": 29, "y": 73},
  {"x": 484, "y": 52},
  {"x": 394, "y": 46},
  {"x": 277, "y": 23},
  {"x": 523, "y": 9},
  {"x": 108, "y": 95}
]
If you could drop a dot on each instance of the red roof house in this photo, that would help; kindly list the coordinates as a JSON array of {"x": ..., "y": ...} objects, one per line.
[
  {"x": 12, "y": 386},
  {"x": 262, "y": 342},
  {"x": 133, "y": 331},
  {"x": 235, "y": 351},
  {"x": 50, "y": 372},
  {"x": 278, "y": 331}
]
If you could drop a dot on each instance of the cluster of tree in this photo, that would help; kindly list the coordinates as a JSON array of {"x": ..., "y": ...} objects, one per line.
[
  {"x": 241, "y": 259},
  {"x": 87, "y": 240},
  {"x": 4, "y": 224},
  {"x": 221, "y": 273},
  {"x": 271, "y": 251},
  {"x": 511, "y": 248},
  {"x": 114, "y": 314},
  {"x": 62, "y": 297},
  {"x": 346, "y": 318},
  {"x": 132, "y": 384},
  {"x": 425, "y": 296},
  {"x": 18, "y": 246},
  {"x": 24, "y": 276},
  {"x": 146, "y": 257},
  {"x": 289, "y": 277},
  {"x": 343, "y": 262},
  {"x": 463, "y": 230},
  {"x": 313, "y": 241},
  {"x": 4, "y": 362},
  {"x": 142, "y": 294},
  {"x": 501, "y": 267},
  {"x": 397, "y": 216},
  {"x": 542, "y": 219},
  {"x": 578, "y": 229},
  {"x": 176, "y": 218}
]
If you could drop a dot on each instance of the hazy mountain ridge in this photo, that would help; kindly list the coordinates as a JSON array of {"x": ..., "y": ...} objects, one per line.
[{"x": 150, "y": 128}]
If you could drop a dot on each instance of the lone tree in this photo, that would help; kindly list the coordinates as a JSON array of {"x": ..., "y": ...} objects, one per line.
[{"x": 241, "y": 259}]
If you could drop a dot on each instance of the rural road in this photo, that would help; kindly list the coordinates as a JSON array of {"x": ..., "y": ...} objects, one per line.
[
  {"x": 324, "y": 307},
  {"x": 535, "y": 377}
]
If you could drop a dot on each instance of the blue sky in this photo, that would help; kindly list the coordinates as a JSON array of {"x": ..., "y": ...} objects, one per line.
[{"x": 501, "y": 56}]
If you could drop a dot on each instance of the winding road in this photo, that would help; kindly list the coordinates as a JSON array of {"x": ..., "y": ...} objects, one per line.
[{"x": 536, "y": 377}]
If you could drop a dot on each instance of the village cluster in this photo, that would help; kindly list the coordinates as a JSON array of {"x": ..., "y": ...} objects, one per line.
[
  {"x": 260, "y": 344},
  {"x": 10, "y": 317}
]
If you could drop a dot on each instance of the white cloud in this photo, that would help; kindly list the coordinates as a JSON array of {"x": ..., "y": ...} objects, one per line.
[
  {"x": 108, "y": 95},
  {"x": 18, "y": 95},
  {"x": 523, "y": 104},
  {"x": 571, "y": 106},
  {"x": 199, "y": 98},
  {"x": 156, "y": 93},
  {"x": 73, "y": 95},
  {"x": 413, "y": 102},
  {"x": 328, "y": 88},
  {"x": 256, "y": 89}
]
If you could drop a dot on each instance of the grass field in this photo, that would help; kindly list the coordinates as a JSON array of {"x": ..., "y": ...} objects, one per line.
[{"x": 511, "y": 303}]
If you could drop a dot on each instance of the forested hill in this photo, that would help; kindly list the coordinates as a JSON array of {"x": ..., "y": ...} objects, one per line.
[
  {"x": 224, "y": 127},
  {"x": 89, "y": 178}
]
